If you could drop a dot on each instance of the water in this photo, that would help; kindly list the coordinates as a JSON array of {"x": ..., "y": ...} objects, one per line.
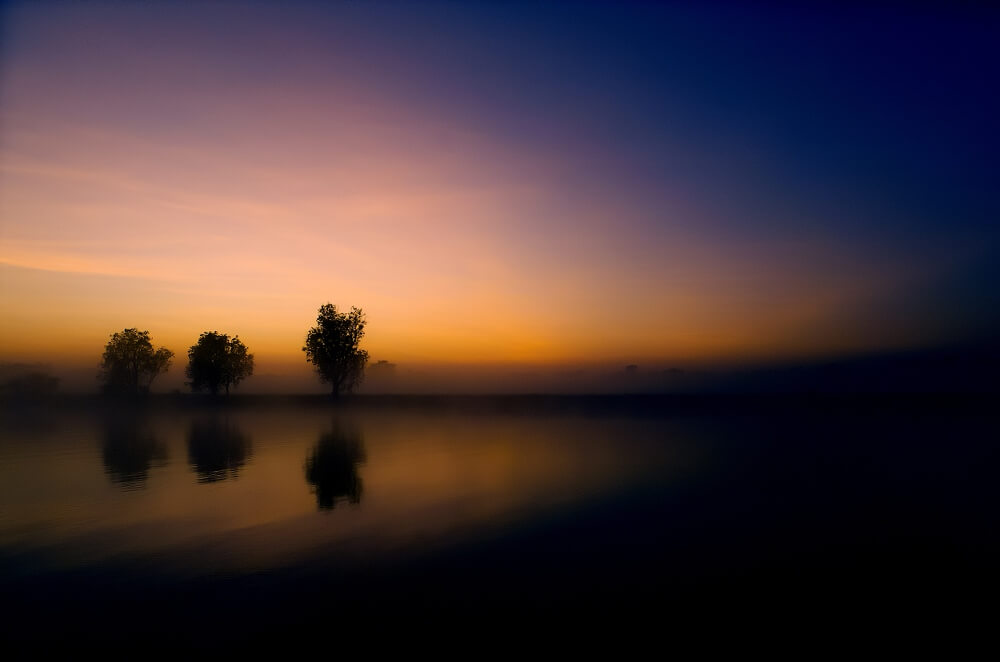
[{"x": 292, "y": 511}]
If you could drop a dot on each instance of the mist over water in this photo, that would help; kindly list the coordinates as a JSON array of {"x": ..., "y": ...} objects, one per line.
[{"x": 966, "y": 367}]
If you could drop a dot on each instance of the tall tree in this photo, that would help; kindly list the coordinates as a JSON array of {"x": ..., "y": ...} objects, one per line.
[
  {"x": 332, "y": 346},
  {"x": 130, "y": 364},
  {"x": 218, "y": 362}
]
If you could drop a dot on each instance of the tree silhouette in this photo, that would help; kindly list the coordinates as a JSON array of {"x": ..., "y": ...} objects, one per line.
[
  {"x": 332, "y": 467},
  {"x": 218, "y": 362},
  {"x": 129, "y": 450},
  {"x": 217, "y": 449},
  {"x": 332, "y": 346},
  {"x": 130, "y": 364}
]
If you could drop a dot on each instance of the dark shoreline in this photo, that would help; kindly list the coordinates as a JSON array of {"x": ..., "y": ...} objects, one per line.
[{"x": 668, "y": 404}]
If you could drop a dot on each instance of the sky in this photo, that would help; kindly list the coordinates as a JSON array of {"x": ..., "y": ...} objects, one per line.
[{"x": 499, "y": 184}]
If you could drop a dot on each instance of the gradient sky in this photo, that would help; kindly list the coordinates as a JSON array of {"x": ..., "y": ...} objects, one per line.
[{"x": 557, "y": 183}]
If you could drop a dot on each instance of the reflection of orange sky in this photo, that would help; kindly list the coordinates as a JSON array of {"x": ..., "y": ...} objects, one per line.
[{"x": 423, "y": 482}]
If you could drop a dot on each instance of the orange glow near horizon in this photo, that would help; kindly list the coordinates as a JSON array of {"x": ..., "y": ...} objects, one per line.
[
  {"x": 163, "y": 193},
  {"x": 445, "y": 251}
]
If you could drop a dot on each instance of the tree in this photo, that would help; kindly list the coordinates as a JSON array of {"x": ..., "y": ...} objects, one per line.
[
  {"x": 332, "y": 346},
  {"x": 130, "y": 364},
  {"x": 218, "y": 362}
]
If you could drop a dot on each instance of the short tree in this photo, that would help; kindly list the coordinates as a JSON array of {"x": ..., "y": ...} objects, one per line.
[
  {"x": 130, "y": 364},
  {"x": 332, "y": 346},
  {"x": 218, "y": 362}
]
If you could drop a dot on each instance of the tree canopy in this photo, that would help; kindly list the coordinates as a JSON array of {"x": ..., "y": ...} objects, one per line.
[
  {"x": 130, "y": 364},
  {"x": 218, "y": 362},
  {"x": 332, "y": 347}
]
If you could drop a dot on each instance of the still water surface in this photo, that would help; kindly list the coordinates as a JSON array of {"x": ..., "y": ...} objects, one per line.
[
  {"x": 220, "y": 490},
  {"x": 477, "y": 506}
]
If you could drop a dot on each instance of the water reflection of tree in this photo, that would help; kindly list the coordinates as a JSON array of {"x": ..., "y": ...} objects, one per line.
[
  {"x": 129, "y": 450},
  {"x": 217, "y": 448},
  {"x": 332, "y": 467}
]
